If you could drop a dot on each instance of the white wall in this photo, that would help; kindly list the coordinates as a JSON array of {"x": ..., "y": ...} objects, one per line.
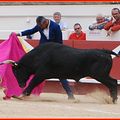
[{"x": 17, "y": 18}]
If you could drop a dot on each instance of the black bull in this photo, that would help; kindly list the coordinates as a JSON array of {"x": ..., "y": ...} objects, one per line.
[{"x": 53, "y": 60}]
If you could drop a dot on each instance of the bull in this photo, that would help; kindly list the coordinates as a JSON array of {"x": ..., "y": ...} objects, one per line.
[{"x": 53, "y": 60}]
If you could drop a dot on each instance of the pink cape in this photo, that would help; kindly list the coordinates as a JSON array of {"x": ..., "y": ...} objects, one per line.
[{"x": 12, "y": 49}]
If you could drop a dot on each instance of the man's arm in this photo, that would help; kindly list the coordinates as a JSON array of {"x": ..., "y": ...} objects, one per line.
[
  {"x": 115, "y": 28},
  {"x": 108, "y": 25},
  {"x": 30, "y": 31}
]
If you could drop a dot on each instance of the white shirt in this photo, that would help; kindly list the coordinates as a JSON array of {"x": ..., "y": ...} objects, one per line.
[
  {"x": 63, "y": 25},
  {"x": 46, "y": 31}
]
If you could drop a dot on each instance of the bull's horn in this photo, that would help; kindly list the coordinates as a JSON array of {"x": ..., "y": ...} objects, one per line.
[{"x": 9, "y": 62}]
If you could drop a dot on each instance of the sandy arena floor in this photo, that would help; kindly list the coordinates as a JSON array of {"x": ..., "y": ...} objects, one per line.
[{"x": 49, "y": 105}]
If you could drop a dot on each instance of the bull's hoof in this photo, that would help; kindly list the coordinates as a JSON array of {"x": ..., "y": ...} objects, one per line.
[
  {"x": 6, "y": 98},
  {"x": 22, "y": 97},
  {"x": 114, "y": 100},
  {"x": 71, "y": 98},
  {"x": 113, "y": 94},
  {"x": 26, "y": 93}
]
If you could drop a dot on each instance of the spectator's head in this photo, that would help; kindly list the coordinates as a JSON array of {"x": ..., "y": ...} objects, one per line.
[
  {"x": 42, "y": 22},
  {"x": 77, "y": 28},
  {"x": 116, "y": 13},
  {"x": 57, "y": 17},
  {"x": 100, "y": 18}
]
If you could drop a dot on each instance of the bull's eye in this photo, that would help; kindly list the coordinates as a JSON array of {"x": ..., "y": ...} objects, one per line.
[{"x": 15, "y": 64}]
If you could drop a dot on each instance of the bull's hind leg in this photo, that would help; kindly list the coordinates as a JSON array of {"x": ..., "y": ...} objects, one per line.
[
  {"x": 113, "y": 88},
  {"x": 100, "y": 71},
  {"x": 111, "y": 84},
  {"x": 33, "y": 83}
]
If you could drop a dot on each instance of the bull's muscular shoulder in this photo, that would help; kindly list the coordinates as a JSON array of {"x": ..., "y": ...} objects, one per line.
[
  {"x": 56, "y": 47},
  {"x": 49, "y": 45},
  {"x": 46, "y": 47}
]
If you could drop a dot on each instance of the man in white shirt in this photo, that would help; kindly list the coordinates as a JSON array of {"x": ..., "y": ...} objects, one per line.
[
  {"x": 57, "y": 19},
  {"x": 50, "y": 32}
]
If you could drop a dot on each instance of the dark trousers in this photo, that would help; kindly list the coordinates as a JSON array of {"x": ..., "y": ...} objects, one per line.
[{"x": 67, "y": 88}]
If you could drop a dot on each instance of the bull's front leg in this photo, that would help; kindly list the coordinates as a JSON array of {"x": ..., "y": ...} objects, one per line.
[{"x": 33, "y": 83}]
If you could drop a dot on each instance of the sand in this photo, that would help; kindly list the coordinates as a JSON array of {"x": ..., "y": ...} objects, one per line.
[{"x": 56, "y": 105}]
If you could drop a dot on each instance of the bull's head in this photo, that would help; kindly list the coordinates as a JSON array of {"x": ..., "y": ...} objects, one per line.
[{"x": 19, "y": 72}]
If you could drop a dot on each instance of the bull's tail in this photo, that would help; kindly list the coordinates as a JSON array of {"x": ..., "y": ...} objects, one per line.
[{"x": 110, "y": 52}]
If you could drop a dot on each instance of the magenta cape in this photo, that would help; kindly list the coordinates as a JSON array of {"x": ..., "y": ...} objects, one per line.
[{"x": 12, "y": 49}]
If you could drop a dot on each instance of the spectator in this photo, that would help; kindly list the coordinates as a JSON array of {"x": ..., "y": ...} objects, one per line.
[
  {"x": 50, "y": 32},
  {"x": 57, "y": 19},
  {"x": 100, "y": 23},
  {"x": 114, "y": 24},
  {"x": 78, "y": 34}
]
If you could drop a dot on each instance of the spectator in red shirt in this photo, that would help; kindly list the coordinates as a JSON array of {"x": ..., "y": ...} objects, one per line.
[
  {"x": 78, "y": 34},
  {"x": 114, "y": 24}
]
